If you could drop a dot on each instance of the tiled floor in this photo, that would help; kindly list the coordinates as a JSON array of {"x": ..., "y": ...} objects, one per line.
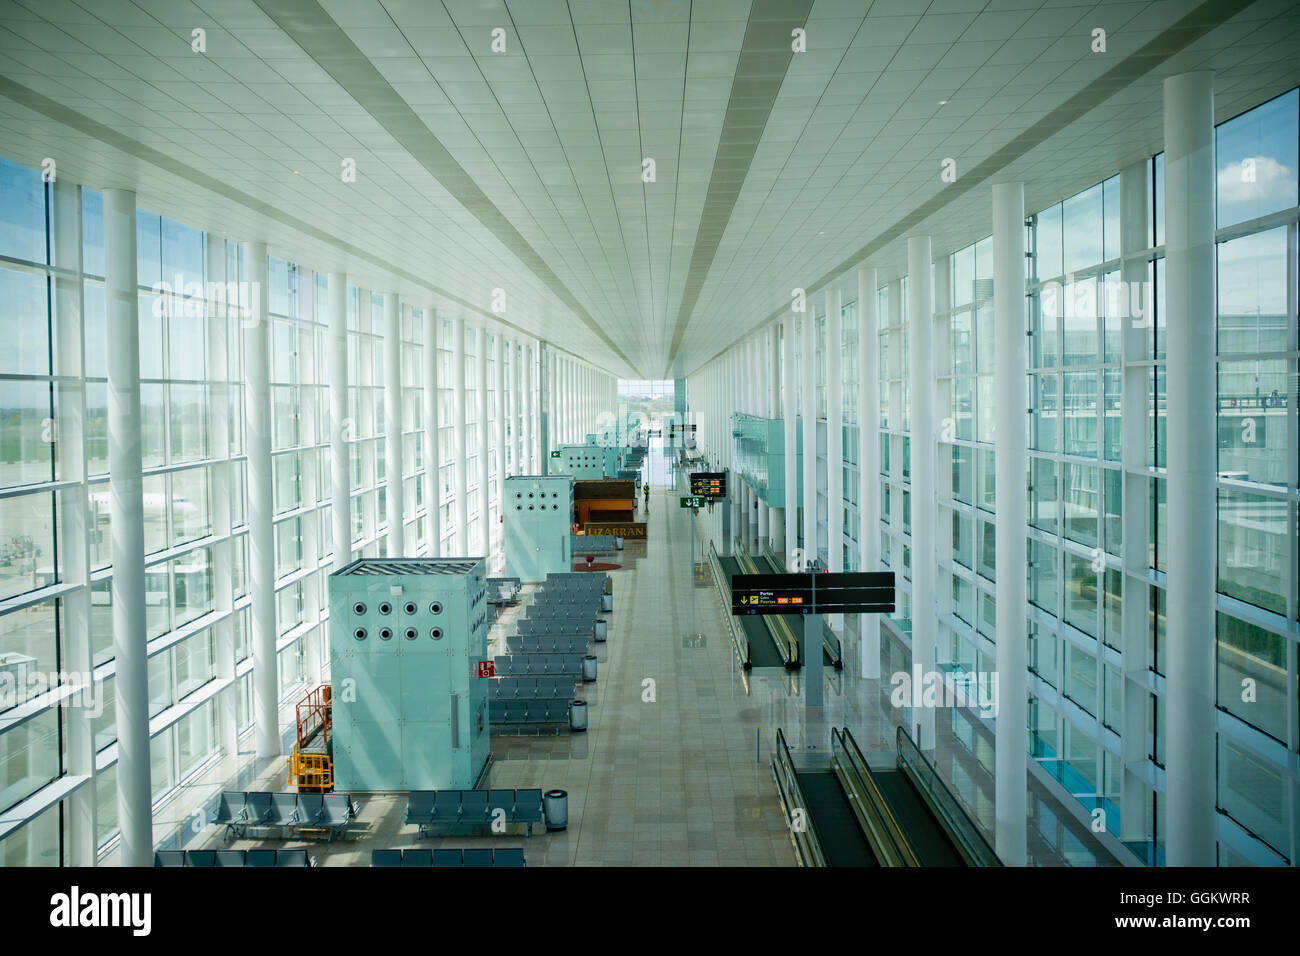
[{"x": 673, "y": 770}]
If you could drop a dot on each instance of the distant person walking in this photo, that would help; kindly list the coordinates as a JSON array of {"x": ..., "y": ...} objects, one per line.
[{"x": 646, "y": 491}]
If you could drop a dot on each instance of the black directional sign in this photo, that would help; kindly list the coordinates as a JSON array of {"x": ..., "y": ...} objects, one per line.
[
  {"x": 771, "y": 594},
  {"x": 853, "y": 593},
  {"x": 869, "y": 592},
  {"x": 710, "y": 484}
]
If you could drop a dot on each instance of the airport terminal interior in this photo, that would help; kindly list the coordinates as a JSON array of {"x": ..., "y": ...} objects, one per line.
[{"x": 759, "y": 433}]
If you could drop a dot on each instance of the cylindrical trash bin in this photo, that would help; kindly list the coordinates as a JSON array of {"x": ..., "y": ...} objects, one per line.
[
  {"x": 555, "y": 808},
  {"x": 602, "y": 630},
  {"x": 607, "y": 602},
  {"x": 578, "y": 716},
  {"x": 618, "y": 543},
  {"x": 588, "y": 668}
]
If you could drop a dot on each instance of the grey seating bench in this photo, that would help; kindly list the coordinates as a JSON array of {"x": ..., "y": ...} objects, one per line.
[
  {"x": 429, "y": 808},
  {"x": 538, "y": 644},
  {"x": 538, "y": 665},
  {"x": 479, "y": 856},
  {"x": 231, "y": 858},
  {"x": 526, "y": 688},
  {"x": 294, "y": 813},
  {"x": 515, "y": 713}
]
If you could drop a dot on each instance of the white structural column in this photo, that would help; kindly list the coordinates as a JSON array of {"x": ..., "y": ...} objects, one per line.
[
  {"x": 73, "y": 522},
  {"x": 791, "y": 442},
  {"x": 460, "y": 508},
  {"x": 126, "y": 493},
  {"x": 1135, "y": 605},
  {"x": 340, "y": 427},
  {"x": 528, "y": 358},
  {"x": 920, "y": 312},
  {"x": 514, "y": 405},
  {"x": 808, "y": 399},
  {"x": 1191, "y": 569},
  {"x": 869, "y": 458},
  {"x": 834, "y": 440},
  {"x": 1010, "y": 369},
  {"x": 775, "y": 516},
  {"x": 499, "y": 434},
  {"x": 545, "y": 416},
  {"x": 484, "y": 439},
  {"x": 393, "y": 424},
  {"x": 432, "y": 451},
  {"x": 261, "y": 536}
]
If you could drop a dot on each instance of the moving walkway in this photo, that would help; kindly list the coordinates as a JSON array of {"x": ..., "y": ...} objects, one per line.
[
  {"x": 844, "y": 813},
  {"x": 766, "y": 642}
]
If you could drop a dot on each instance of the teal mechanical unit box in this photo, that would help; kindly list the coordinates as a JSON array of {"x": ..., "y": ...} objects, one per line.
[
  {"x": 760, "y": 457},
  {"x": 538, "y": 513},
  {"x": 586, "y": 462},
  {"x": 406, "y": 638}
]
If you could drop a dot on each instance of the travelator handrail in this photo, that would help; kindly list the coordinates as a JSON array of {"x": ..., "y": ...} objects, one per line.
[
  {"x": 829, "y": 639},
  {"x": 738, "y": 638},
  {"x": 947, "y": 809},
  {"x": 776, "y": 623},
  {"x": 888, "y": 842},
  {"x": 807, "y": 847}
]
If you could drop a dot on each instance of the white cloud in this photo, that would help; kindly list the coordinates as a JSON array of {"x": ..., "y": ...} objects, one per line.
[{"x": 1271, "y": 180}]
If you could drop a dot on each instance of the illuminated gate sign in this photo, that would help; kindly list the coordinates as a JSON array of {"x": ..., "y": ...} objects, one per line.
[{"x": 850, "y": 593}]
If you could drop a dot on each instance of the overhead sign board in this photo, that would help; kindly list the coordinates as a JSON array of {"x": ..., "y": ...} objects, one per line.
[
  {"x": 854, "y": 593},
  {"x": 710, "y": 484},
  {"x": 772, "y": 594},
  {"x": 693, "y": 501}
]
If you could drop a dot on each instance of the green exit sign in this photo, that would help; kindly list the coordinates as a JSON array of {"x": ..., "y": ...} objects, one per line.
[
  {"x": 693, "y": 501},
  {"x": 556, "y": 453}
]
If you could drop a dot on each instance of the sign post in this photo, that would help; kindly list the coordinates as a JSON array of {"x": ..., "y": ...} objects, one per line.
[{"x": 812, "y": 658}]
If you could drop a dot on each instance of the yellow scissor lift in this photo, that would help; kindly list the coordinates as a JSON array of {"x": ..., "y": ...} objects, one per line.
[{"x": 311, "y": 765}]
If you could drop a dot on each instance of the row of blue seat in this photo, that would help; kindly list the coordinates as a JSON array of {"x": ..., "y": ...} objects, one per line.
[
  {"x": 553, "y": 711},
  {"x": 529, "y": 688},
  {"x": 295, "y": 812},
  {"x": 428, "y": 808},
  {"x": 538, "y": 665},
  {"x": 479, "y": 856},
  {"x": 545, "y": 644},
  {"x": 244, "y": 858}
]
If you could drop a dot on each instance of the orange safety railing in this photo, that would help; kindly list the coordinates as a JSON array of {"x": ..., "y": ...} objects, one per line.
[
  {"x": 313, "y": 713},
  {"x": 312, "y": 772}
]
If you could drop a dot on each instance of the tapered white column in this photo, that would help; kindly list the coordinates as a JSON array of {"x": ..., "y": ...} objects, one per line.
[
  {"x": 126, "y": 494},
  {"x": 460, "y": 509},
  {"x": 484, "y": 442},
  {"x": 432, "y": 438},
  {"x": 869, "y": 458},
  {"x": 499, "y": 435},
  {"x": 531, "y": 419},
  {"x": 1010, "y": 369},
  {"x": 393, "y": 425},
  {"x": 1191, "y": 466},
  {"x": 1135, "y": 402},
  {"x": 545, "y": 437},
  {"x": 516, "y": 406},
  {"x": 261, "y": 536},
  {"x": 74, "y": 524},
  {"x": 790, "y": 434},
  {"x": 808, "y": 401},
  {"x": 834, "y": 442},
  {"x": 920, "y": 311},
  {"x": 341, "y": 429}
]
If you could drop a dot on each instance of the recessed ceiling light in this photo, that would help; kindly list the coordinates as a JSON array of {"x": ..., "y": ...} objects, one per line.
[
  {"x": 295, "y": 172},
  {"x": 943, "y": 102}
]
